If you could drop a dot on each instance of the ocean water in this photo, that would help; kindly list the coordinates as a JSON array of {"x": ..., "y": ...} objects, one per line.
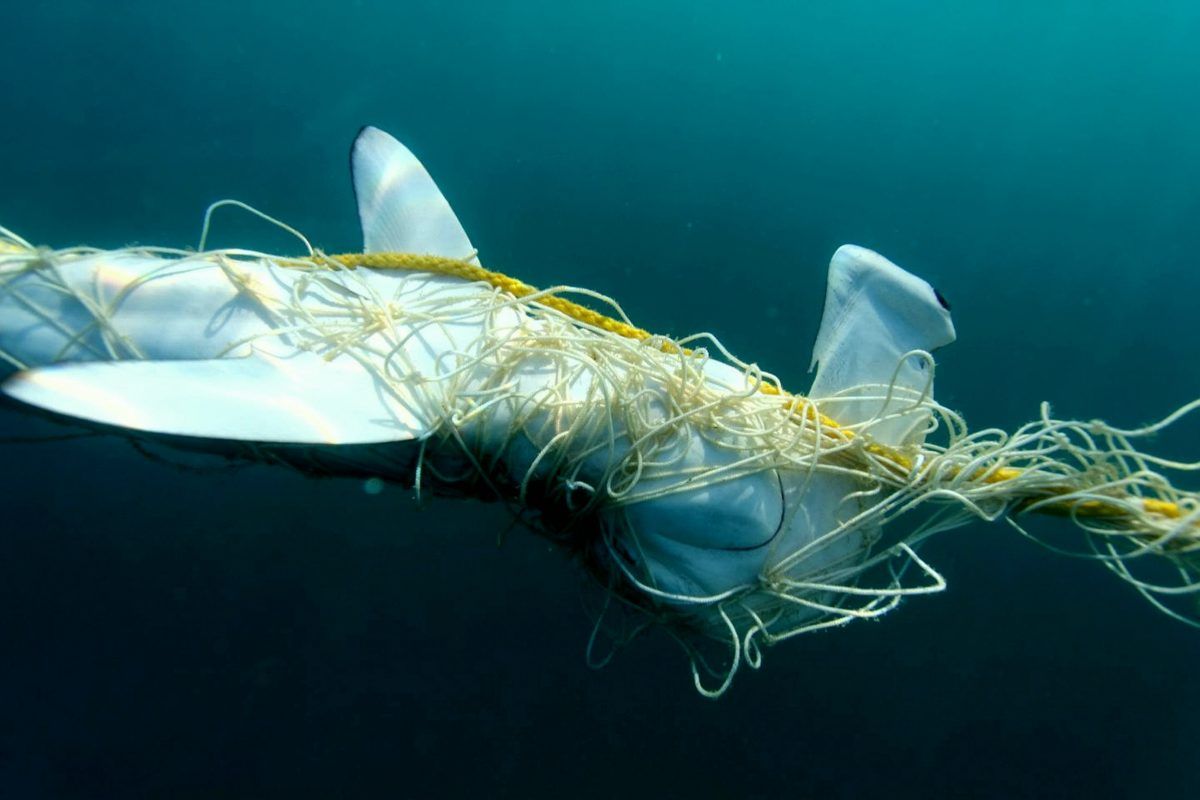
[{"x": 256, "y": 634}]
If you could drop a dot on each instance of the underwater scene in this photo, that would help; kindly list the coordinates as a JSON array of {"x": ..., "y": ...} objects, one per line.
[{"x": 222, "y": 575}]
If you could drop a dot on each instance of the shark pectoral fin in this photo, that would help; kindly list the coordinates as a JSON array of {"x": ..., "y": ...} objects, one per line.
[
  {"x": 300, "y": 400},
  {"x": 399, "y": 206},
  {"x": 875, "y": 312}
]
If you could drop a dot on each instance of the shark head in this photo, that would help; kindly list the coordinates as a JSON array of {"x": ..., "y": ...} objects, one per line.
[{"x": 876, "y": 316}]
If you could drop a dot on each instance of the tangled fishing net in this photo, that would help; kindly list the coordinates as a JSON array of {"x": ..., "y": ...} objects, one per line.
[{"x": 603, "y": 433}]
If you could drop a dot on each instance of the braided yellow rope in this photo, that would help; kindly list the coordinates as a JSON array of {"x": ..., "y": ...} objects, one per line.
[
  {"x": 441, "y": 265},
  {"x": 1121, "y": 499},
  {"x": 455, "y": 268}
]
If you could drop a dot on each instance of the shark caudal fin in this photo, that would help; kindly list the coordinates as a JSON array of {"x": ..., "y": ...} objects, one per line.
[
  {"x": 875, "y": 312},
  {"x": 298, "y": 397},
  {"x": 298, "y": 400}
]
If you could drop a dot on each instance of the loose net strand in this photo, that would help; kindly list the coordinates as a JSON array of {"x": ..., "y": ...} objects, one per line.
[{"x": 647, "y": 392}]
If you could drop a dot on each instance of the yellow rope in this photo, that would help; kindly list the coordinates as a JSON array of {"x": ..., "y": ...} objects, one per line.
[
  {"x": 473, "y": 272},
  {"x": 441, "y": 265}
]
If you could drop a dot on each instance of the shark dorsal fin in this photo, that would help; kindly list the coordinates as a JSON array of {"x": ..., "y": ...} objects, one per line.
[
  {"x": 399, "y": 206},
  {"x": 875, "y": 312}
]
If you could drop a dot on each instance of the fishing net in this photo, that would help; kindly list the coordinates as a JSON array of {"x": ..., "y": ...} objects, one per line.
[{"x": 603, "y": 427}]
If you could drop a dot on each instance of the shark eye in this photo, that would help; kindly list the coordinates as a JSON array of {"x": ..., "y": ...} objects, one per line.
[{"x": 945, "y": 303}]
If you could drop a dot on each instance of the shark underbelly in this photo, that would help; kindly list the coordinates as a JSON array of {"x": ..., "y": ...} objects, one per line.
[{"x": 368, "y": 397}]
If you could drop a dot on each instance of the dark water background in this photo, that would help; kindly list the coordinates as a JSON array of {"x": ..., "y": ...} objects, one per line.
[{"x": 257, "y": 635}]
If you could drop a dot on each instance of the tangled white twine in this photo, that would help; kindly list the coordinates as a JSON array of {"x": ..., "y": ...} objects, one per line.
[{"x": 598, "y": 452}]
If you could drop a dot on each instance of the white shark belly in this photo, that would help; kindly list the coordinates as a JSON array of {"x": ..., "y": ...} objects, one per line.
[
  {"x": 122, "y": 305},
  {"x": 358, "y": 370}
]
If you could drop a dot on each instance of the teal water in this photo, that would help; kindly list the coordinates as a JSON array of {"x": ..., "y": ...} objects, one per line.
[{"x": 254, "y": 634}]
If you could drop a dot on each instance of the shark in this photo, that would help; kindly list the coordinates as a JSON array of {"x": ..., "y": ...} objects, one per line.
[{"x": 421, "y": 378}]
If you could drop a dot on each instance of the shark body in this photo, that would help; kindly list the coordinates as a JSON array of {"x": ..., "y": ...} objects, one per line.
[{"x": 217, "y": 354}]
